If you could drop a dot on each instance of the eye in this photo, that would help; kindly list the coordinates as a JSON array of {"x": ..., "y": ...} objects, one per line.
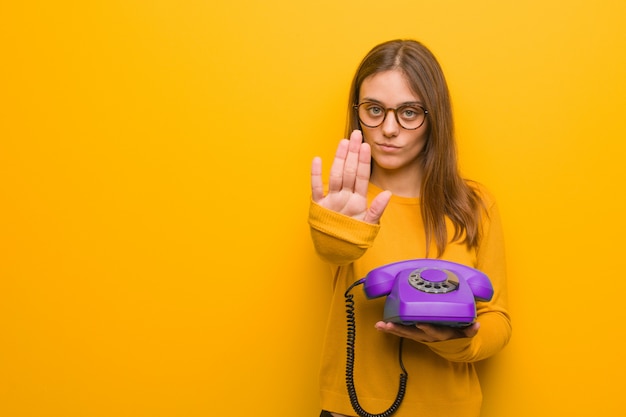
[
  {"x": 374, "y": 110},
  {"x": 410, "y": 113}
]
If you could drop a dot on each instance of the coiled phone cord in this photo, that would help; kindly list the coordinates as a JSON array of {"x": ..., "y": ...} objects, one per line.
[{"x": 350, "y": 363}]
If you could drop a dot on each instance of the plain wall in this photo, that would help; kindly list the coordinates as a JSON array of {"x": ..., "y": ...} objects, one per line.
[{"x": 154, "y": 186}]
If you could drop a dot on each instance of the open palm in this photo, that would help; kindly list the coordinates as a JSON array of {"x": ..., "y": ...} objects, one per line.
[{"x": 348, "y": 183}]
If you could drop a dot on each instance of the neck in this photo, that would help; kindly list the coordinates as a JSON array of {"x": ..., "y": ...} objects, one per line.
[{"x": 401, "y": 182}]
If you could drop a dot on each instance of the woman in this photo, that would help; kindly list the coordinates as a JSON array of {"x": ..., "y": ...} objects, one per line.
[{"x": 395, "y": 193}]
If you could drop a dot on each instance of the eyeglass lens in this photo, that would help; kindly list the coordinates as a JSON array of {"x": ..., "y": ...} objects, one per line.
[{"x": 409, "y": 116}]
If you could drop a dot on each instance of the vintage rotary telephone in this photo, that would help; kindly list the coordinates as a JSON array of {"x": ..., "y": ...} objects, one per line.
[{"x": 430, "y": 291}]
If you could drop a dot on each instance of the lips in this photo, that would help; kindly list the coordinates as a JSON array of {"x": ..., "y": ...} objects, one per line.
[{"x": 387, "y": 147}]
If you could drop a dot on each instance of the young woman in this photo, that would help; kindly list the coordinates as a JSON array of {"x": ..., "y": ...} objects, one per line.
[{"x": 395, "y": 193}]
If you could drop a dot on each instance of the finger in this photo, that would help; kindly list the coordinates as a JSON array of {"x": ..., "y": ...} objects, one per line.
[
  {"x": 472, "y": 330},
  {"x": 408, "y": 332},
  {"x": 396, "y": 329},
  {"x": 352, "y": 160},
  {"x": 363, "y": 170},
  {"x": 335, "y": 182},
  {"x": 378, "y": 206},
  {"x": 387, "y": 328},
  {"x": 317, "y": 185}
]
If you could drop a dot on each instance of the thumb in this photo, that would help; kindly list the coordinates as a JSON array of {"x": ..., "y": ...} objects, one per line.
[
  {"x": 378, "y": 206},
  {"x": 472, "y": 330}
]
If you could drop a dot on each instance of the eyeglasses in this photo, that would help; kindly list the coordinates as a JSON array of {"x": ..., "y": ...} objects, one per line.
[{"x": 409, "y": 116}]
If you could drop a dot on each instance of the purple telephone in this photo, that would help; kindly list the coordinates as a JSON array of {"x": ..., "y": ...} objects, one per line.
[
  {"x": 419, "y": 290},
  {"x": 429, "y": 291}
]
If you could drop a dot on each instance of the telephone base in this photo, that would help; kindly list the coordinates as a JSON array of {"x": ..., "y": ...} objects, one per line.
[{"x": 449, "y": 323}]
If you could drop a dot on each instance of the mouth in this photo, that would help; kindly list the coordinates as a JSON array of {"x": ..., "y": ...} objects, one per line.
[{"x": 387, "y": 147}]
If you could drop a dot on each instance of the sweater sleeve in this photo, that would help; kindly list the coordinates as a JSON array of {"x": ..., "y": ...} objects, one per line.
[
  {"x": 339, "y": 239},
  {"x": 495, "y": 323}
]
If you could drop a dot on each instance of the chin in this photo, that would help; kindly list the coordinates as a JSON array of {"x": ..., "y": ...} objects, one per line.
[
  {"x": 387, "y": 163},
  {"x": 388, "y": 166}
]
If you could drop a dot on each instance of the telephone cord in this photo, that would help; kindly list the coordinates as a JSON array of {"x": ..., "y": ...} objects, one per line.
[{"x": 351, "y": 339}]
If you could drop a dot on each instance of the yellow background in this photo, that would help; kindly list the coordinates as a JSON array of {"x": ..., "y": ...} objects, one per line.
[{"x": 154, "y": 186}]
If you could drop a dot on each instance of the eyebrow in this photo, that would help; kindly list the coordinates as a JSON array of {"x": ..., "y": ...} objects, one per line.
[{"x": 406, "y": 103}]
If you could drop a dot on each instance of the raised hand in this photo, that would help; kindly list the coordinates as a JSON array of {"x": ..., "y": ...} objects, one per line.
[{"x": 349, "y": 179}]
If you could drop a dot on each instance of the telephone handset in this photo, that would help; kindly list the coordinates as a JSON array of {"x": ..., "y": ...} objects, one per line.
[
  {"x": 429, "y": 291},
  {"x": 418, "y": 291}
]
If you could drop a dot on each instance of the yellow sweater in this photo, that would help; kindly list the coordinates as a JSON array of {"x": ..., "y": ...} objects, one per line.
[{"x": 442, "y": 380}]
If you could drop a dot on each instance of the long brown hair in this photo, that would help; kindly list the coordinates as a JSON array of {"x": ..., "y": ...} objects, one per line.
[{"x": 444, "y": 193}]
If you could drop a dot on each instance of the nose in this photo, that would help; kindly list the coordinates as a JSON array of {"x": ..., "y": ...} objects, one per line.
[{"x": 390, "y": 126}]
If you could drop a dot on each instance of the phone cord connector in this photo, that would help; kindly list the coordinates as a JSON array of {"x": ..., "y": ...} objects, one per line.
[{"x": 350, "y": 363}]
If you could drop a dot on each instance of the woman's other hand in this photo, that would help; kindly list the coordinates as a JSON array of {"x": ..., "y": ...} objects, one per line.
[{"x": 428, "y": 333}]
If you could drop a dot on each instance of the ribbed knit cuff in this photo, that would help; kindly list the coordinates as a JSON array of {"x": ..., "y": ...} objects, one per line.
[{"x": 342, "y": 227}]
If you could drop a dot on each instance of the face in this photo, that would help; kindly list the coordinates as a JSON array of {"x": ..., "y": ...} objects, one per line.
[{"x": 393, "y": 148}]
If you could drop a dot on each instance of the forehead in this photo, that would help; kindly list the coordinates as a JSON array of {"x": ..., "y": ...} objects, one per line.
[{"x": 388, "y": 87}]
